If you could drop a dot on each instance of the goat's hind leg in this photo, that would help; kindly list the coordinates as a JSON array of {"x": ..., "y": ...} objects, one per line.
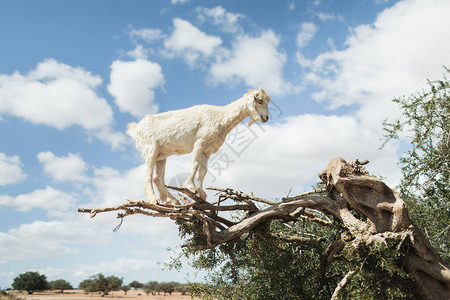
[
  {"x": 199, "y": 164},
  {"x": 152, "y": 153},
  {"x": 164, "y": 194},
  {"x": 202, "y": 170}
]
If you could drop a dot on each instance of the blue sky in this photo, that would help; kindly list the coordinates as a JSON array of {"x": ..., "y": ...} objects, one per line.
[{"x": 74, "y": 73}]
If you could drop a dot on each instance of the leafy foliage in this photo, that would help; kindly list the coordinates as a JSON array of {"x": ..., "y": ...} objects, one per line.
[
  {"x": 100, "y": 283},
  {"x": 380, "y": 273},
  {"x": 426, "y": 166},
  {"x": 125, "y": 288},
  {"x": 165, "y": 287},
  {"x": 135, "y": 284},
  {"x": 60, "y": 284},
  {"x": 263, "y": 265},
  {"x": 30, "y": 282}
]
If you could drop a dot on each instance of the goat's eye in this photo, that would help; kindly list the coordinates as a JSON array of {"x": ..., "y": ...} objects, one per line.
[{"x": 259, "y": 101}]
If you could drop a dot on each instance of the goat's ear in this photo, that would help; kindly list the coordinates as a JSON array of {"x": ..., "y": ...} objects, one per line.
[{"x": 256, "y": 95}]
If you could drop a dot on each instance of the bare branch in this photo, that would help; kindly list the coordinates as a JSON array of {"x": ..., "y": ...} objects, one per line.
[
  {"x": 341, "y": 284},
  {"x": 228, "y": 193},
  {"x": 305, "y": 194},
  {"x": 277, "y": 211},
  {"x": 294, "y": 238},
  {"x": 306, "y": 214},
  {"x": 188, "y": 193}
]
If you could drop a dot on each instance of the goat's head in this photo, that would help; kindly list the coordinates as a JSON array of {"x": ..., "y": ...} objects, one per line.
[{"x": 258, "y": 102}]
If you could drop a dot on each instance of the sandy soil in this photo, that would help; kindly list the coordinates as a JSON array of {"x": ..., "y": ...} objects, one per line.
[{"x": 81, "y": 295}]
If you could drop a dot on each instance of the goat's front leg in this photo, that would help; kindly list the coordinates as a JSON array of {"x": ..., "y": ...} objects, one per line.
[
  {"x": 189, "y": 183},
  {"x": 202, "y": 170},
  {"x": 148, "y": 179},
  {"x": 199, "y": 163}
]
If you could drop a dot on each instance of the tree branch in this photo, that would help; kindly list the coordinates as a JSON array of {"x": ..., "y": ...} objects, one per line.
[{"x": 341, "y": 284}]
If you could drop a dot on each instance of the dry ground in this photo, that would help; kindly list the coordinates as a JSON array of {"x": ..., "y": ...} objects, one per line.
[{"x": 81, "y": 295}]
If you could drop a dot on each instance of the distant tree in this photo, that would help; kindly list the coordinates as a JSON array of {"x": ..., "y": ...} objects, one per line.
[
  {"x": 152, "y": 287},
  {"x": 100, "y": 283},
  {"x": 147, "y": 290},
  {"x": 136, "y": 285},
  {"x": 183, "y": 288},
  {"x": 30, "y": 282},
  {"x": 126, "y": 288},
  {"x": 85, "y": 284},
  {"x": 60, "y": 284},
  {"x": 167, "y": 287},
  {"x": 425, "y": 185}
]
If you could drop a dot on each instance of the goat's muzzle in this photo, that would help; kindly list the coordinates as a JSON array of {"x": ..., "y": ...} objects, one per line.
[{"x": 265, "y": 118}]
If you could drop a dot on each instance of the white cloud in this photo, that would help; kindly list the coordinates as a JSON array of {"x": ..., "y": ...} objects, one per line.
[
  {"x": 190, "y": 42},
  {"x": 68, "y": 168},
  {"x": 389, "y": 58},
  {"x": 291, "y": 6},
  {"x": 138, "y": 52},
  {"x": 11, "y": 169},
  {"x": 48, "y": 198},
  {"x": 229, "y": 22},
  {"x": 306, "y": 33},
  {"x": 255, "y": 61},
  {"x": 174, "y": 2},
  {"x": 121, "y": 265},
  {"x": 142, "y": 269},
  {"x": 148, "y": 35},
  {"x": 132, "y": 83},
  {"x": 48, "y": 239},
  {"x": 325, "y": 17},
  {"x": 59, "y": 96},
  {"x": 113, "y": 187},
  {"x": 289, "y": 155}
]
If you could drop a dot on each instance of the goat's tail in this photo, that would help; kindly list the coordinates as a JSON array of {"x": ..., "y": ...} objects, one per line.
[{"x": 131, "y": 129}]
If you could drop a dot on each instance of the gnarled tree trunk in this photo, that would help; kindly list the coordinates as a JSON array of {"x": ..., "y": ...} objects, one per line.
[
  {"x": 387, "y": 218},
  {"x": 348, "y": 187}
]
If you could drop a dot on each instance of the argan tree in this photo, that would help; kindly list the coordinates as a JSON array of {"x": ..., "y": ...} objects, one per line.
[
  {"x": 125, "y": 288},
  {"x": 373, "y": 221},
  {"x": 60, "y": 284},
  {"x": 136, "y": 284},
  {"x": 100, "y": 283},
  {"x": 30, "y": 282}
]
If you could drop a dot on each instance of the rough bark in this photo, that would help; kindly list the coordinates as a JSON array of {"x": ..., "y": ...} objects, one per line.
[
  {"x": 348, "y": 187},
  {"x": 387, "y": 218}
]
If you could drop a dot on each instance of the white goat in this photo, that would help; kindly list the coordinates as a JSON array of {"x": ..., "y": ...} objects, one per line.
[{"x": 200, "y": 129}]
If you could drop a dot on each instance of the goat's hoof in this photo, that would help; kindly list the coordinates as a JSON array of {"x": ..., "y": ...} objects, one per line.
[
  {"x": 192, "y": 188},
  {"x": 171, "y": 201},
  {"x": 174, "y": 202},
  {"x": 153, "y": 201},
  {"x": 202, "y": 194},
  {"x": 197, "y": 191}
]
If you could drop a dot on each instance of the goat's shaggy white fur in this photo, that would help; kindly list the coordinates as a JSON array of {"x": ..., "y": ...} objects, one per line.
[{"x": 200, "y": 129}]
